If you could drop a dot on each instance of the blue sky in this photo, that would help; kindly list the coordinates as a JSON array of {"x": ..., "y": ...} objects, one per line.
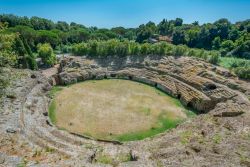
[{"x": 128, "y": 13}]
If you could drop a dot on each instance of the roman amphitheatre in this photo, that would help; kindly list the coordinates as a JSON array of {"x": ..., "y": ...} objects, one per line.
[
  {"x": 114, "y": 109},
  {"x": 170, "y": 111}
]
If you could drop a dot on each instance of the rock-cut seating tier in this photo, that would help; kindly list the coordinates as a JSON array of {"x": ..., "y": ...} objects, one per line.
[{"x": 177, "y": 77}]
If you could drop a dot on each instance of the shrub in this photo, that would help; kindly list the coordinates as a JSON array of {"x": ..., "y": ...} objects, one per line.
[
  {"x": 214, "y": 58},
  {"x": 122, "y": 48},
  {"x": 66, "y": 49},
  {"x": 145, "y": 49},
  {"x": 179, "y": 50},
  {"x": 169, "y": 49},
  {"x": 80, "y": 49},
  {"x": 102, "y": 49},
  {"x": 242, "y": 72},
  {"x": 92, "y": 48},
  {"x": 8, "y": 56},
  {"x": 135, "y": 48},
  {"x": 45, "y": 51},
  {"x": 161, "y": 50},
  {"x": 125, "y": 48}
]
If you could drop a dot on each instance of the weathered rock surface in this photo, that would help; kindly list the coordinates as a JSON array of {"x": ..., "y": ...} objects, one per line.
[
  {"x": 221, "y": 137},
  {"x": 183, "y": 78}
]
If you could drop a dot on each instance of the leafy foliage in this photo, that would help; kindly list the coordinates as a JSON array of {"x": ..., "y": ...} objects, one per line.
[
  {"x": 241, "y": 67},
  {"x": 8, "y": 56},
  {"x": 126, "y": 48},
  {"x": 230, "y": 39},
  {"x": 45, "y": 51},
  {"x": 20, "y": 37}
]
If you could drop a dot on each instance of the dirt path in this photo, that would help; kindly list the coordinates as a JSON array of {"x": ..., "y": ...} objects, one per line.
[{"x": 51, "y": 71}]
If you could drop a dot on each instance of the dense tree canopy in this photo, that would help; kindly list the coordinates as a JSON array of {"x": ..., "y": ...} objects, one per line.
[
  {"x": 23, "y": 38},
  {"x": 14, "y": 50},
  {"x": 230, "y": 39}
]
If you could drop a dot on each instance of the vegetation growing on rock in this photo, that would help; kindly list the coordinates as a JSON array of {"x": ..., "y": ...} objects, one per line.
[{"x": 45, "y": 51}]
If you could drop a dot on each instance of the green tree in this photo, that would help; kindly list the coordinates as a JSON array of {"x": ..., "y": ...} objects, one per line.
[
  {"x": 243, "y": 50},
  {"x": 178, "y": 22},
  {"x": 216, "y": 43},
  {"x": 130, "y": 35},
  {"x": 21, "y": 52},
  {"x": 27, "y": 33},
  {"x": 179, "y": 37},
  {"x": 144, "y": 32},
  {"x": 223, "y": 28},
  {"x": 233, "y": 34},
  {"x": 62, "y": 25},
  {"x": 204, "y": 38},
  {"x": 45, "y": 36},
  {"x": 228, "y": 45},
  {"x": 41, "y": 23},
  {"x": 165, "y": 27},
  {"x": 121, "y": 31},
  {"x": 31, "y": 59},
  {"x": 192, "y": 37},
  {"x": 8, "y": 56}
]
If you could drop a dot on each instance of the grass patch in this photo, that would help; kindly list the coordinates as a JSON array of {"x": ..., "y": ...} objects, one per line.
[
  {"x": 52, "y": 106},
  {"x": 23, "y": 163},
  {"x": 147, "y": 111},
  {"x": 49, "y": 149},
  {"x": 232, "y": 62},
  {"x": 124, "y": 157},
  {"x": 241, "y": 67},
  {"x": 114, "y": 161},
  {"x": 105, "y": 159},
  {"x": 151, "y": 111},
  {"x": 217, "y": 138},
  {"x": 186, "y": 136},
  {"x": 54, "y": 90},
  {"x": 164, "y": 124},
  {"x": 52, "y": 112}
]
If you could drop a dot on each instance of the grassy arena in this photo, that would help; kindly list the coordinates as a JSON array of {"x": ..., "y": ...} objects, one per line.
[{"x": 115, "y": 110}]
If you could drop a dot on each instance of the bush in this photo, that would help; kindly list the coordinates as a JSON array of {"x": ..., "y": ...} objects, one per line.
[
  {"x": 4, "y": 81},
  {"x": 214, "y": 58},
  {"x": 66, "y": 48},
  {"x": 242, "y": 72},
  {"x": 92, "y": 48},
  {"x": 45, "y": 51},
  {"x": 158, "y": 49},
  {"x": 179, "y": 50},
  {"x": 8, "y": 56},
  {"x": 241, "y": 67},
  {"x": 145, "y": 49},
  {"x": 125, "y": 48},
  {"x": 122, "y": 48},
  {"x": 80, "y": 49},
  {"x": 135, "y": 48}
]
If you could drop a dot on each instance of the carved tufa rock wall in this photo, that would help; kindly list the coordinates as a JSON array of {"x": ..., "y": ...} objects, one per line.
[{"x": 179, "y": 77}]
